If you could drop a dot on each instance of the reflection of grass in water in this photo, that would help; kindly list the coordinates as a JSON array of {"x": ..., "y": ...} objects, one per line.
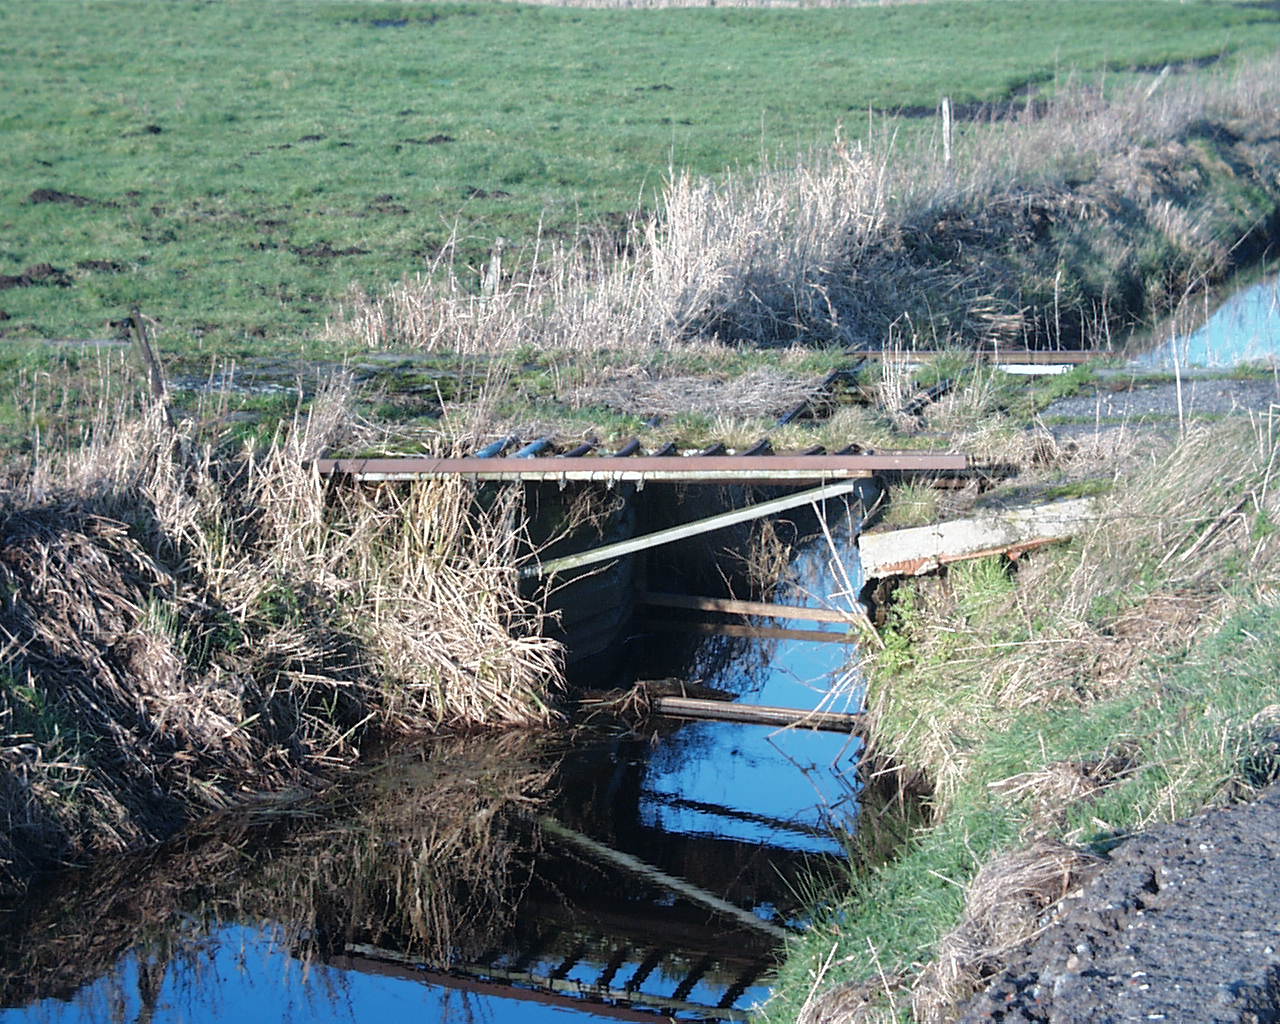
[
  {"x": 191, "y": 621},
  {"x": 421, "y": 853}
]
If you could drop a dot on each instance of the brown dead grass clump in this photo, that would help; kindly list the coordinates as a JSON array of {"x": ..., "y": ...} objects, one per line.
[
  {"x": 861, "y": 243},
  {"x": 1054, "y": 789},
  {"x": 184, "y": 624},
  {"x": 1005, "y": 907}
]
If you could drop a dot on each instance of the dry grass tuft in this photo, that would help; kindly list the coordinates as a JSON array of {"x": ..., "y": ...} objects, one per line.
[
  {"x": 185, "y": 622},
  {"x": 1161, "y": 568},
  {"x": 1005, "y": 906},
  {"x": 1052, "y": 790},
  {"x": 764, "y": 392}
]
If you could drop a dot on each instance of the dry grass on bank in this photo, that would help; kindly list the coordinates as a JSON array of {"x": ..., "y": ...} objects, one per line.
[
  {"x": 1166, "y": 563},
  {"x": 1120, "y": 681},
  {"x": 1004, "y": 907},
  {"x": 185, "y": 623},
  {"x": 841, "y": 246}
]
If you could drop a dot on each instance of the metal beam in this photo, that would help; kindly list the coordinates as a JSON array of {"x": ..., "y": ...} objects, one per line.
[
  {"x": 698, "y": 526},
  {"x": 998, "y": 355},
  {"x": 750, "y": 632},
  {"x": 705, "y": 469},
  {"x": 647, "y": 871},
  {"x": 732, "y": 607},
  {"x": 756, "y": 714}
]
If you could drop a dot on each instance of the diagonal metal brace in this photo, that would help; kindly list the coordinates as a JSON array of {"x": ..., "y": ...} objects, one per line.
[{"x": 673, "y": 533}]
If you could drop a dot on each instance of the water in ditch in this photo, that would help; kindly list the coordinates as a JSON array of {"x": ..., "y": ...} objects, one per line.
[
  {"x": 1245, "y": 328},
  {"x": 605, "y": 872}
]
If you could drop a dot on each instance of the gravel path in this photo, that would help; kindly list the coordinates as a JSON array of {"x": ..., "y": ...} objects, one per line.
[
  {"x": 1183, "y": 926},
  {"x": 1155, "y": 404}
]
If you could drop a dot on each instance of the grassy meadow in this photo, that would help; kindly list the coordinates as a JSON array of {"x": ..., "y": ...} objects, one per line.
[
  {"x": 702, "y": 209},
  {"x": 235, "y": 168}
]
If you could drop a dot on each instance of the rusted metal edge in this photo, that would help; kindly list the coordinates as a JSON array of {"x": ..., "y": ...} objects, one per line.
[
  {"x": 927, "y": 563},
  {"x": 920, "y": 549},
  {"x": 706, "y": 468}
]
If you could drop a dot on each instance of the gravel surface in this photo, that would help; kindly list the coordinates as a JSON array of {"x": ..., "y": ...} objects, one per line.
[
  {"x": 1157, "y": 404},
  {"x": 1183, "y": 926}
]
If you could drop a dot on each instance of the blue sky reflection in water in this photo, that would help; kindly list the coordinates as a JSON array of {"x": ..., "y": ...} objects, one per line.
[
  {"x": 737, "y": 808},
  {"x": 242, "y": 975},
  {"x": 1244, "y": 329},
  {"x": 785, "y": 787}
]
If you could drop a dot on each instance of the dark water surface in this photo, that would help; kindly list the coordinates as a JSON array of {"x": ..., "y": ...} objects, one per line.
[{"x": 599, "y": 873}]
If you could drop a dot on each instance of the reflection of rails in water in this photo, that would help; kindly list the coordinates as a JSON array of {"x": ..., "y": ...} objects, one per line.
[
  {"x": 604, "y": 995},
  {"x": 589, "y": 944}
]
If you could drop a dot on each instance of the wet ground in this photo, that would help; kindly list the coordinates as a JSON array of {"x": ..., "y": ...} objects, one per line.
[{"x": 1182, "y": 925}]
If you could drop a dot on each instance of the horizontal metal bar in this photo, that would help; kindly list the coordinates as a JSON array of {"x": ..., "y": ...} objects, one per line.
[
  {"x": 750, "y": 632},
  {"x": 707, "y": 468},
  {"x": 732, "y": 607},
  {"x": 699, "y": 526},
  {"x": 1001, "y": 355},
  {"x": 756, "y": 714}
]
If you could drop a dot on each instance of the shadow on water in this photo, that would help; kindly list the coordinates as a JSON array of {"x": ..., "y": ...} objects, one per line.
[{"x": 610, "y": 870}]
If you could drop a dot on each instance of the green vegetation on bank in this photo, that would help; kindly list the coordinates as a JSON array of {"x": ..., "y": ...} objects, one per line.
[
  {"x": 1111, "y": 684},
  {"x": 233, "y": 168}
]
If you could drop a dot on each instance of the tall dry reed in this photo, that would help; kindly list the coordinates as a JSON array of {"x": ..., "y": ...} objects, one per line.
[
  {"x": 841, "y": 246},
  {"x": 185, "y": 620}
]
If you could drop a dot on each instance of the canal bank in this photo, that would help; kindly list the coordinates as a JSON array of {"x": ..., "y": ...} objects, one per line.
[
  {"x": 193, "y": 621},
  {"x": 1066, "y": 707}
]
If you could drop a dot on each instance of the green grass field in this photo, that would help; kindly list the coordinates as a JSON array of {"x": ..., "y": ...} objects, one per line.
[{"x": 239, "y": 165}]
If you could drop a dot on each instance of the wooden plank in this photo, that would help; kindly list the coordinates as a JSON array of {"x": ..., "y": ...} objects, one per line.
[
  {"x": 730, "y": 629},
  {"x": 922, "y": 549},
  {"x": 703, "y": 469},
  {"x": 757, "y": 714},
  {"x": 693, "y": 529},
  {"x": 732, "y": 607}
]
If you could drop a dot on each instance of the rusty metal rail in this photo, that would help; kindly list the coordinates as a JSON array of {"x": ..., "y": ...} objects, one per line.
[
  {"x": 758, "y": 469},
  {"x": 1037, "y": 356}
]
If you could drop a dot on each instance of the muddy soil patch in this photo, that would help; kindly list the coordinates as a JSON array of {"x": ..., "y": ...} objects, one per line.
[
  {"x": 36, "y": 274},
  {"x": 52, "y": 195}
]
